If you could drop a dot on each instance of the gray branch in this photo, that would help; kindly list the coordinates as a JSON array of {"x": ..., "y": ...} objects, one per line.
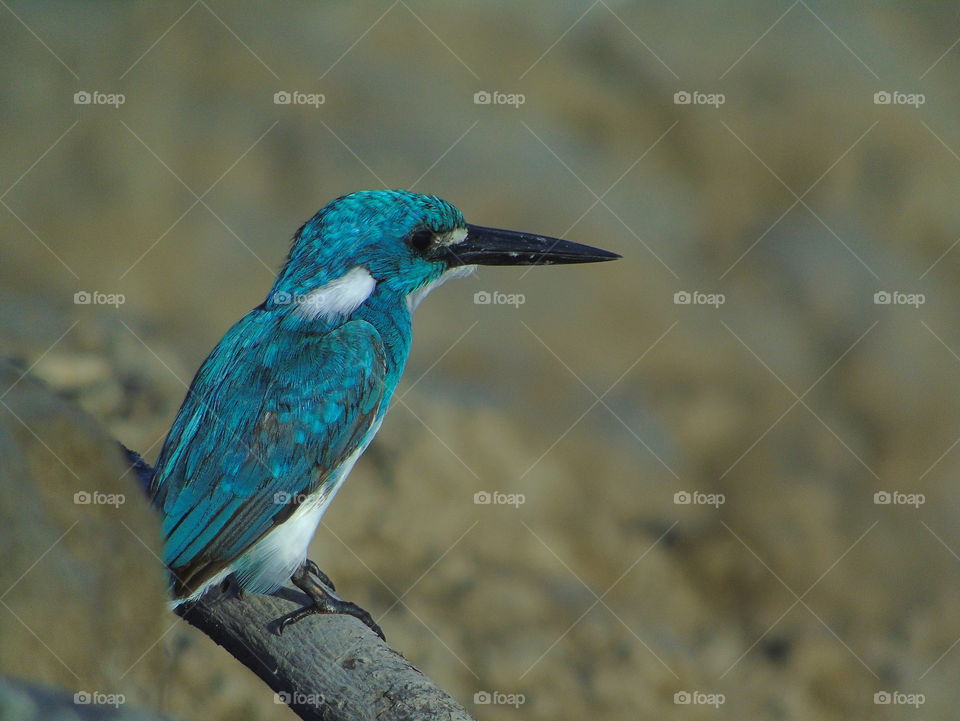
[{"x": 326, "y": 668}]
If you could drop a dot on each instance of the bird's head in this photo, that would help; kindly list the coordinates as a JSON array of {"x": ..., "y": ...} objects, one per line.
[{"x": 405, "y": 243}]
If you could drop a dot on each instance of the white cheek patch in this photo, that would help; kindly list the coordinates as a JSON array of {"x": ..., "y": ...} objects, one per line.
[
  {"x": 416, "y": 297},
  {"x": 457, "y": 235},
  {"x": 339, "y": 297}
]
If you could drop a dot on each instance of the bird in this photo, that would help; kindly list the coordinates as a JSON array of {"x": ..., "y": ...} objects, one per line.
[{"x": 294, "y": 392}]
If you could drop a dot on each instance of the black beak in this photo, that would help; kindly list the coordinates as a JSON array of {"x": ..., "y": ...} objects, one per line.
[{"x": 492, "y": 246}]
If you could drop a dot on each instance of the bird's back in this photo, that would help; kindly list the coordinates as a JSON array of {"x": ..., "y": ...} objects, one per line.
[{"x": 270, "y": 417}]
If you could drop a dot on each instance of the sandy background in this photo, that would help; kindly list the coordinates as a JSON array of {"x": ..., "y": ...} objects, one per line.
[{"x": 798, "y": 398}]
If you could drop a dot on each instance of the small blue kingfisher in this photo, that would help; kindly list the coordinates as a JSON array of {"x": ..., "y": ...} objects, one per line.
[{"x": 291, "y": 396}]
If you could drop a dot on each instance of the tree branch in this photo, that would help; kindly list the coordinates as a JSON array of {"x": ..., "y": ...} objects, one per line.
[{"x": 326, "y": 668}]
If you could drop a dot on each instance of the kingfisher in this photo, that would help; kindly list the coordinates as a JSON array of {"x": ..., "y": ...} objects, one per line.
[{"x": 291, "y": 396}]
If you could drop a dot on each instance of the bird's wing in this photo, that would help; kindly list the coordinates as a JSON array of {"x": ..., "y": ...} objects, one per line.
[{"x": 262, "y": 427}]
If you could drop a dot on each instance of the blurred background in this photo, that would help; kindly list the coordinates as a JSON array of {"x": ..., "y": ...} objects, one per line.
[{"x": 713, "y": 480}]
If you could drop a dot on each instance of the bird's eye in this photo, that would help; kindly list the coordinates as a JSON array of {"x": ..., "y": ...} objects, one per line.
[{"x": 421, "y": 240}]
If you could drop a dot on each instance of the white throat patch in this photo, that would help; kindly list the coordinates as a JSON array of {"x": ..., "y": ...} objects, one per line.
[
  {"x": 339, "y": 297},
  {"x": 416, "y": 297}
]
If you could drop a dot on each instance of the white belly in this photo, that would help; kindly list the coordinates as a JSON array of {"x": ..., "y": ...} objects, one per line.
[{"x": 272, "y": 560}]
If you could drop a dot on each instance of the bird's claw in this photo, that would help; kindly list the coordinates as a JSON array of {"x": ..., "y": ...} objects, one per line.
[
  {"x": 323, "y": 601},
  {"x": 330, "y": 605},
  {"x": 321, "y": 576},
  {"x": 364, "y": 616}
]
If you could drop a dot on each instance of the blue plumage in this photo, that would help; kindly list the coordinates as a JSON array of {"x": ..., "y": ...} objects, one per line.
[
  {"x": 292, "y": 394},
  {"x": 249, "y": 451}
]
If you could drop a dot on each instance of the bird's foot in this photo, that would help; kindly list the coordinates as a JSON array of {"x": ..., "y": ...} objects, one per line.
[
  {"x": 231, "y": 585},
  {"x": 323, "y": 601},
  {"x": 321, "y": 576}
]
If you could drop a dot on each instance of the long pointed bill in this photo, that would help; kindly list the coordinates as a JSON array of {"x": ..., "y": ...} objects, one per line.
[{"x": 492, "y": 246}]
